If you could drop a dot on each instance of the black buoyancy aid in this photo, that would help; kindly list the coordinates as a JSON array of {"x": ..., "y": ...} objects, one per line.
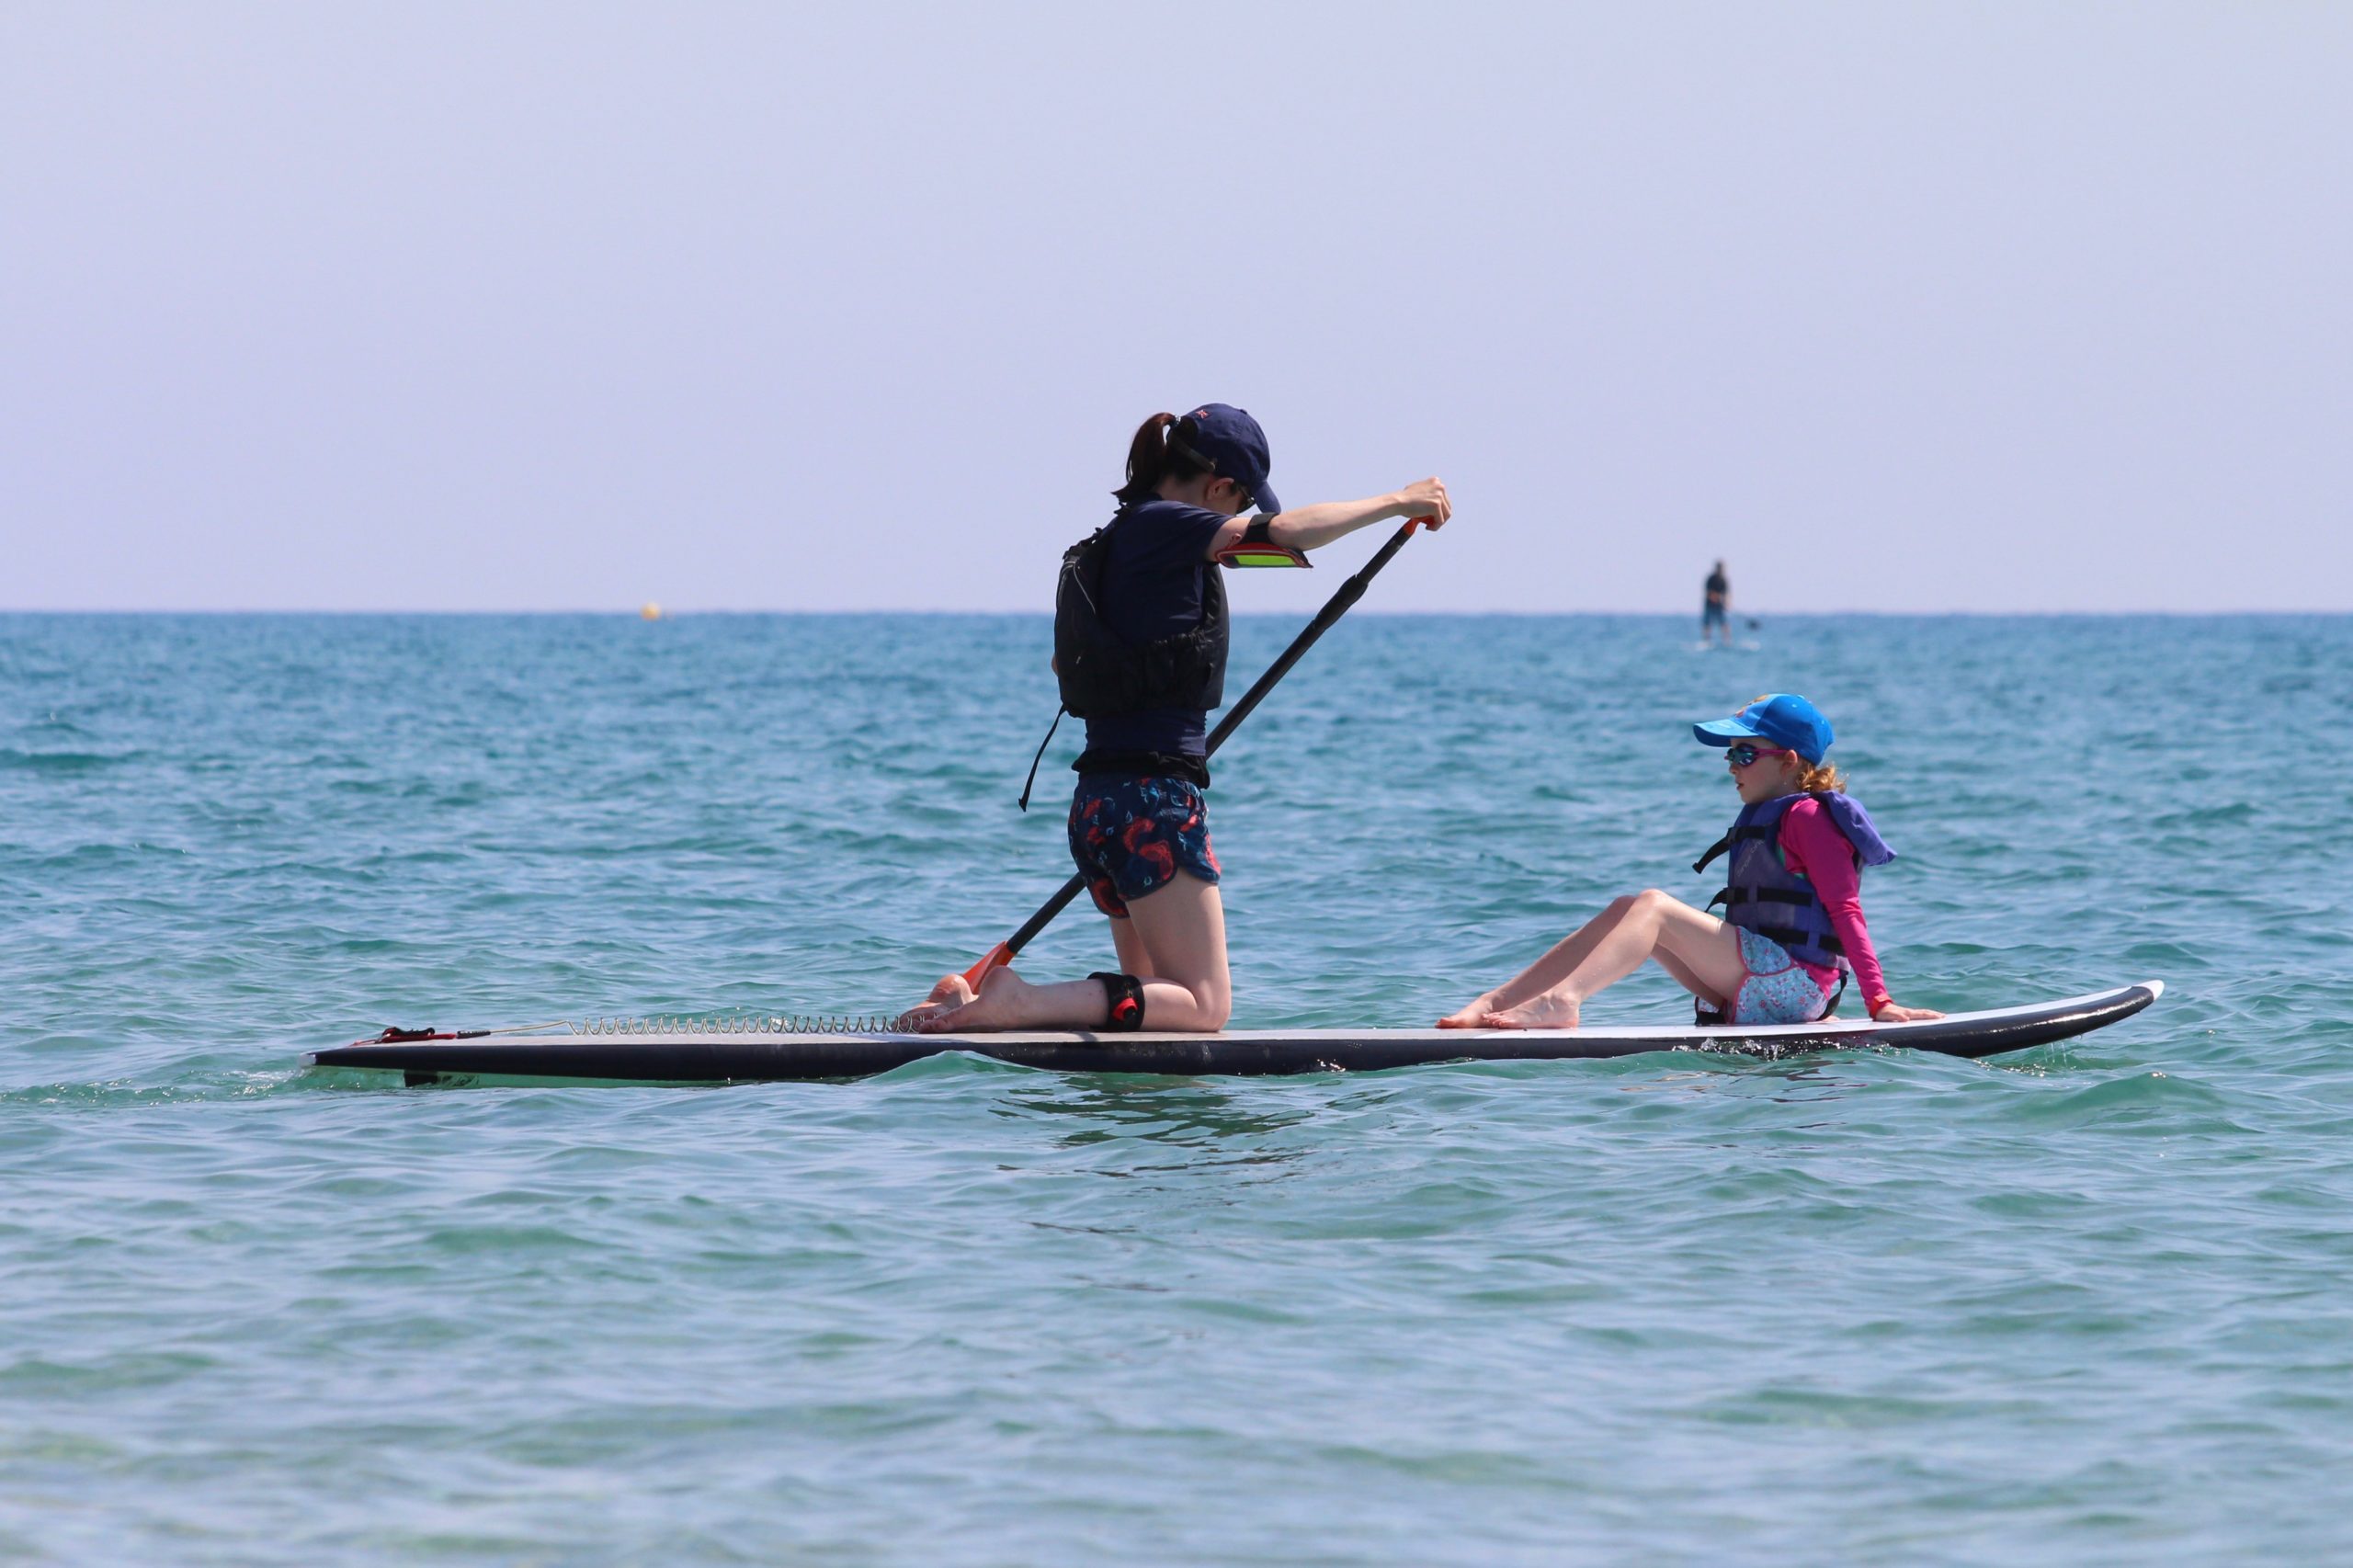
[
  {"x": 1104, "y": 675},
  {"x": 1763, "y": 895}
]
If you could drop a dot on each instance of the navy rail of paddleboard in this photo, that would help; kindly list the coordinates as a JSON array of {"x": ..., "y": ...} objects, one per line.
[{"x": 753, "y": 1057}]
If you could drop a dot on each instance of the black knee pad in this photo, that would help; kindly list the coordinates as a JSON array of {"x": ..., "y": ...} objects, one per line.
[{"x": 1124, "y": 992}]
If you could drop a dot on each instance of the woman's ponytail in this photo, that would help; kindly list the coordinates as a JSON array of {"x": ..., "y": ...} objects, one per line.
[{"x": 1150, "y": 459}]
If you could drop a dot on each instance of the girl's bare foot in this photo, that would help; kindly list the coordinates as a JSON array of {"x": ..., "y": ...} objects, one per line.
[
  {"x": 1473, "y": 1016},
  {"x": 1545, "y": 1012}
]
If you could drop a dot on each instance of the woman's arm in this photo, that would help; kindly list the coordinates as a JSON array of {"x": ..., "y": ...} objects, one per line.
[{"x": 1310, "y": 528}]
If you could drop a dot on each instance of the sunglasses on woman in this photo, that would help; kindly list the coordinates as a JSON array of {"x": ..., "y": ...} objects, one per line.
[{"x": 1743, "y": 755}]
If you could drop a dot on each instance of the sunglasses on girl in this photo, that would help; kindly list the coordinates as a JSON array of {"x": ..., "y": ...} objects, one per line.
[{"x": 1743, "y": 755}]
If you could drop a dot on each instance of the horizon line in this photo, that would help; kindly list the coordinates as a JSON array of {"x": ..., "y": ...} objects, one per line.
[{"x": 1046, "y": 612}]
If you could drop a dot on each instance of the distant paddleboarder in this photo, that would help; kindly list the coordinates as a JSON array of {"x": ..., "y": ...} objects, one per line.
[
  {"x": 1140, "y": 646},
  {"x": 1715, "y": 609}
]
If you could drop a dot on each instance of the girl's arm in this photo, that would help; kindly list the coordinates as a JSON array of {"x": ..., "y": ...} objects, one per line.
[
  {"x": 1818, "y": 851},
  {"x": 1310, "y": 528}
]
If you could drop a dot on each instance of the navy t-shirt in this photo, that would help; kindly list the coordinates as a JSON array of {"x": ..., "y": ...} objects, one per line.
[{"x": 1151, "y": 588}]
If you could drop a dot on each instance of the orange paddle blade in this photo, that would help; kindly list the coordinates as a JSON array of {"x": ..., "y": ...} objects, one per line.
[{"x": 995, "y": 957}]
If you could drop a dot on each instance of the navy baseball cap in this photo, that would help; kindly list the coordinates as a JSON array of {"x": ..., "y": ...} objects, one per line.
[
  {"x": 1229, "y": 442},
  {"x": 1784, "y": 719}
]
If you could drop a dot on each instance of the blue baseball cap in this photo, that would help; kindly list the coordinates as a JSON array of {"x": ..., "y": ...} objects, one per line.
[
  {"x": 1784, "y": 719},
  {"x": 1228, "y": 442}
]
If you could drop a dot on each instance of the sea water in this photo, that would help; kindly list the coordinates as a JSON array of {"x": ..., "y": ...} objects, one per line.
[{"x": 2092, "y": 1303}]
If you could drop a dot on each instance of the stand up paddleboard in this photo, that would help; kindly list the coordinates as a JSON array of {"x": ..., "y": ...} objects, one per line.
[{"x": 756, "y": 1049}]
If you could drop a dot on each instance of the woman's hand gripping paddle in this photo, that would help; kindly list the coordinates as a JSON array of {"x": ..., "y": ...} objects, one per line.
[{"x": 1350, "y": 592}]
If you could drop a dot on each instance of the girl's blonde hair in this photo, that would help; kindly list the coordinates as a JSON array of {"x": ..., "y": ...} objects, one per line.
[
  {"x": 1812, "y": 777},
  {"x": 1819, "y": 776}
]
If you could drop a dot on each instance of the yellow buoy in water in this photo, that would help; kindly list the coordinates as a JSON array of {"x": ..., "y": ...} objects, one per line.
[{"x": 651, "y": 613}]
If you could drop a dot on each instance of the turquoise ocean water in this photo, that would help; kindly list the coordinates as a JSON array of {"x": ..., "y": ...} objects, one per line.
[{"x": 2087, "y": 1303}]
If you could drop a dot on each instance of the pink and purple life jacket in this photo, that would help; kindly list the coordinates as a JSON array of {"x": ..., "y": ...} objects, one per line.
[{"x": 1763, "y": 895}]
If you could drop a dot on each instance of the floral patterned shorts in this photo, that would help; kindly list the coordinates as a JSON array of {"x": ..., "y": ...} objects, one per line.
[
  {"x": 1131, "y": 835},
  {"x": 1776, "y": 989}
]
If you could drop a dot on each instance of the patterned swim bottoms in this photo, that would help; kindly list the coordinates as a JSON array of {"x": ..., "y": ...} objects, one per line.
[
  {"x": 1131, "y": 835},
  {"x": 1778, "y": 990}
]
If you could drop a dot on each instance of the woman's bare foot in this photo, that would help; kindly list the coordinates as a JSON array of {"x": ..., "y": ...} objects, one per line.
[
  {"x": 1472, "y": 1015},
  {"x": 1545, "y": 1012},
  {"x": 951, "y": 992},
  {"x": 995, "y": 1007}
]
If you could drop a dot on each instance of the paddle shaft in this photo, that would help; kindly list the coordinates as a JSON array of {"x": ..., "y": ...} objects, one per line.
[{"x": 1350, "y": 592}]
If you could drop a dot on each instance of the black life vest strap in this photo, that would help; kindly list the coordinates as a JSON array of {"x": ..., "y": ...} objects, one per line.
[
  {"x": 1765, "y": 895},
  {"x": 1788, "y": 935},
  {"x": 1791, "y": 936},
  {"x": 1832, "y": 1005},
  {"x": 1030, "y": 782},
  {"x": 1738, "y": 836}
]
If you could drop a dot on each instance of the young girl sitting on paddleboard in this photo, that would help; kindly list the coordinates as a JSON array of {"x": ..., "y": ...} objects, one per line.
[
  {"x": 1793, "y": 917},
  {"x": 1140, "y": 646}
]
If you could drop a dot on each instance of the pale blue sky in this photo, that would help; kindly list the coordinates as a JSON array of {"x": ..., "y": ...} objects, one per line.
[{"x": 509, "y": 306}]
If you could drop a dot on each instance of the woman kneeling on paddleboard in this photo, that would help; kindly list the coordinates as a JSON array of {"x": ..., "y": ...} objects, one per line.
[
  {"x": 1793, "y": 915},
  {"x": 1140, "y": 645}
]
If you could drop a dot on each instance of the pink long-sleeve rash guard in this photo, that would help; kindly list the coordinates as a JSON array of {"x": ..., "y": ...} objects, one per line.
[{"x": 1812, "y": 846}]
